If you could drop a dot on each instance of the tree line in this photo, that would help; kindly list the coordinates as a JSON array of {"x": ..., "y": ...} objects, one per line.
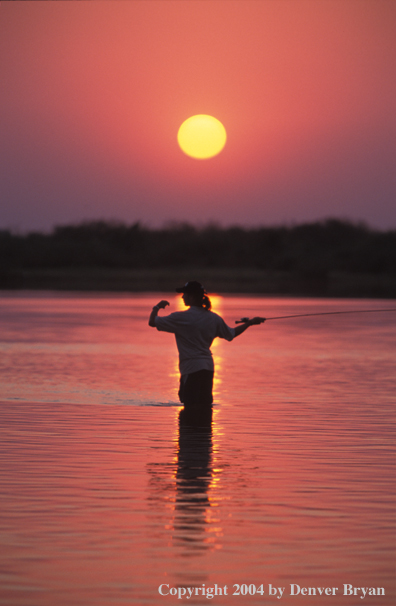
[{"x": 316, "y": 248}]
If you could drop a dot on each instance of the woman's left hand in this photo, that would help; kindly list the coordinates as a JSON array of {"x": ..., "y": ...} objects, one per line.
[{"x": 162, "y": 304}]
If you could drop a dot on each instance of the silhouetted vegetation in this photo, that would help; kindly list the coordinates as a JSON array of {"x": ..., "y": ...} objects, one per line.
[{"x": 306, "y": 258}]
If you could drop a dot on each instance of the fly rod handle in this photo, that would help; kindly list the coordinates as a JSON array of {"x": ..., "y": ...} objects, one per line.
[{"x": 243, "y": 320}]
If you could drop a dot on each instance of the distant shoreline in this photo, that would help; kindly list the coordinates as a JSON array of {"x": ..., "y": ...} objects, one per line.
[
  {"x": 330, "y": 258},
  {"x": 215, "y": 280}
]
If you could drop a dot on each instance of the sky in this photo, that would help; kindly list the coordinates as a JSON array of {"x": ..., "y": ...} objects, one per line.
[{"x": 93, "y": 94}]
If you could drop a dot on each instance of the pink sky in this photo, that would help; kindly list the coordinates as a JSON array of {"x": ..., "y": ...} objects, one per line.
[{"x": 93, "y": 94}]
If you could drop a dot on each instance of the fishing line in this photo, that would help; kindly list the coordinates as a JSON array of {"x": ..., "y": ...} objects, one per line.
[{"x": 325, "y": 313}]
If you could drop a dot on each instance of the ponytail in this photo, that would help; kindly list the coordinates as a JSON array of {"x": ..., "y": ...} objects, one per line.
[{"x": 206, "y": 304}]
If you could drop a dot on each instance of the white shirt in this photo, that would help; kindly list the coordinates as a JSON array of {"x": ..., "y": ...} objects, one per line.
[{"x": 195, "y": 329}]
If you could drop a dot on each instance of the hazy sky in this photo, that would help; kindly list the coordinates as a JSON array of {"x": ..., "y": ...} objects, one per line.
[{"x": 93, "y": 94}]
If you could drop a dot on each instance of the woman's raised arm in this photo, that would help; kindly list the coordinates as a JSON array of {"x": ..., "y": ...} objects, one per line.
[{"x": 155, "y": 310}]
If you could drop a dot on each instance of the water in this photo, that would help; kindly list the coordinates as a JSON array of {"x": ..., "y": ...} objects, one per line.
[{"x": 104, "y": 498}]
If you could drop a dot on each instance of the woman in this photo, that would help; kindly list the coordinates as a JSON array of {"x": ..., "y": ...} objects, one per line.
[{"x": 195, "y": 329}]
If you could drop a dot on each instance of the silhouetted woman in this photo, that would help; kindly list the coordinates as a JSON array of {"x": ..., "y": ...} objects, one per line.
[{"x": 195, "y": 329}]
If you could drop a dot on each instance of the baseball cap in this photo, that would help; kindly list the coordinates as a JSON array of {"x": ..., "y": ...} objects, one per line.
[{"x": 192, "y": 288}]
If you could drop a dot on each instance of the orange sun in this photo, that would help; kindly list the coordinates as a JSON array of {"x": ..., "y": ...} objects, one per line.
[{"x": 202, "y": 136}]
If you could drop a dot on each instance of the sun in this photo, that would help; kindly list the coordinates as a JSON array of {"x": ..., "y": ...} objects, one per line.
[{"x": 202, "y": 136}]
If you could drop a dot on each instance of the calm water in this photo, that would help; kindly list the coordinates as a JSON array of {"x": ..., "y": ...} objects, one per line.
[{"x": 104, "y": 498}]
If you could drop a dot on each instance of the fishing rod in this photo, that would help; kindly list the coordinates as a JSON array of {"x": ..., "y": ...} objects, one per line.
[{"x": 325, "y": 313}]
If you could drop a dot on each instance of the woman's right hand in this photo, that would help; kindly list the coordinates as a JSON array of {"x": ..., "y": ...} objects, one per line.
[{"x": 256, "y": 320}]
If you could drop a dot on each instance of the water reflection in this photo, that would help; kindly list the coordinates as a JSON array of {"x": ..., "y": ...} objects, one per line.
[
  {"x": 193, "y": 525},
  {"x": 193, "y": 480}
]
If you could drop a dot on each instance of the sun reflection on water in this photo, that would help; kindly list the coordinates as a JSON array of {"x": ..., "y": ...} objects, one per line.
[{"x": 189, "y": 487}]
